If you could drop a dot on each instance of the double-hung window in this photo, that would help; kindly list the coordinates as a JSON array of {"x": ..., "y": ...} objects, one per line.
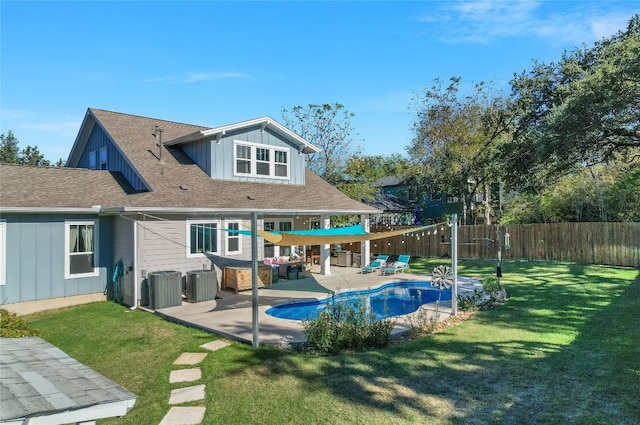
[
  {"x": 256, "y": 160},
  {"x": 281, "y": 163},
  {"x": 243, "y": 159},
  {"x": 271, "y": 250},
  {"x": 80, "y": 249},
  {"x": 203, "y": 238},
  {"x": 262, "y": 162},
  {"x": 92, "y": 160},
  {"x": 233, "y": 238},
  {"x": 103, "y": 158}
]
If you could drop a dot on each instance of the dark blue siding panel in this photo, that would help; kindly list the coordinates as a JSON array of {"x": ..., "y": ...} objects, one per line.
[
  {"x": 35, "y": 258},
  {"x": 115, "y": 160},
  {"x": 222, "y": 155},
  {"x": 200, "y": 153},
  {"x": 56, "y": 264},
  {"x": 29, "y": 262},
  {"x": 43, "y": 250}
]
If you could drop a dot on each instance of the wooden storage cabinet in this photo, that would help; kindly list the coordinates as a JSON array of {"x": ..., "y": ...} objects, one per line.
[{"x": 239, "y": 278}]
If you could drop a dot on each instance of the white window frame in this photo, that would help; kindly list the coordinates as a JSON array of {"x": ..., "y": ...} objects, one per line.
[
  {"x": 93, "y": 158},
  {"x": 106, "y": 158},
  {"x": 3, "y": 253},
  {"x": 229, "y": 236},
  {"x": 188, "y": 243},
  {"x": 67, "y": 254},
  {"x": 254, "y": 162},
  {"x": 277, "y": 224}
]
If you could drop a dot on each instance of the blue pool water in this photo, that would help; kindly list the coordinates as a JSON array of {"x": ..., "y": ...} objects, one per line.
[{"x": 388, "y": 300}]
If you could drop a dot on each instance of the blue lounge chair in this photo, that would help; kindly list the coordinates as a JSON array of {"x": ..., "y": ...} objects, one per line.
[
  {"x": 398, "y": 266},
  {"x": 377, "y": 264}
]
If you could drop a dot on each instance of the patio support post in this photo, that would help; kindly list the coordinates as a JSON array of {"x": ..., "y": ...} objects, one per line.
[
  {"x": 325, "y": 250},
  {"x": 454, "y": 263},
  {"x": 254, "y": 278},
  {"x": 365, "y": 246}
]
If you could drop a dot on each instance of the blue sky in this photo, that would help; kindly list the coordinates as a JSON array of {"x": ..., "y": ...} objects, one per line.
[{"x": 213, "y": 63}]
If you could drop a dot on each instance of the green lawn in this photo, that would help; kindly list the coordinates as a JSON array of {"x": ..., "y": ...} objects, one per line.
[{"x": 565, "y": 349}]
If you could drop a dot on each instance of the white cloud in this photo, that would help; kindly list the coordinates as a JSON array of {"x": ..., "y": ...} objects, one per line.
[
  {"x": 65, "y": 128},
  {"x": 606, "y": 26},
  {"x": 196, "y": 77},
  {"x": 558, "y": 22}
]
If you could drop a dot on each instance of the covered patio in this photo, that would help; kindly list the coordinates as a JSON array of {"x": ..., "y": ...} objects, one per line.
[{"x": 230, "y": 315}]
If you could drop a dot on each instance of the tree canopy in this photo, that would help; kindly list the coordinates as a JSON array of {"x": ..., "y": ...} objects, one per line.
[
  {"x": 580, "y": 111},
  {"x": 328, "y": 127},
  {"x": 456, "y": 139},
  {"x": 363, "y": 172},
  {"x": 10, "y": 152}
]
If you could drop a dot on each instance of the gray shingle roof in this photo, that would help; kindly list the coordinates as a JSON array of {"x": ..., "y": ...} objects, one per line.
[
  {"x": 176, "y": 182},
  {"x": 23, "y": 186},
  {"x": 39, "y": 381}
]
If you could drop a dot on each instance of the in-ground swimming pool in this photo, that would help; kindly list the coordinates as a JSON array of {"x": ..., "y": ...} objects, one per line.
[{"x": 388, "y": 300}]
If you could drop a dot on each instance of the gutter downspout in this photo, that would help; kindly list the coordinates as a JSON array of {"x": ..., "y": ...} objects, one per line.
[{"x": 135, "y": 265}]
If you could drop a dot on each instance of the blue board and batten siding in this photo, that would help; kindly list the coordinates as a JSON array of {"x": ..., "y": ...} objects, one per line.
[
  {"x": 35, "y": 258},
  {"x": 116, "y": 161},
  {"x": 217, "y": 159}
]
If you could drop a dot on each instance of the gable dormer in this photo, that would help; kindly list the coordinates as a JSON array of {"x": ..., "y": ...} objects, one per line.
[
  {"x": 95, "y": 149},
  {"x": 259, "y": 150}
]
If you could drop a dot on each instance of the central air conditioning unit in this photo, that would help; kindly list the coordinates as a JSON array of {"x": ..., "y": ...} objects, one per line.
[
  {"x": 202, "y": 285},
  {"x": 165, "y": 289}
]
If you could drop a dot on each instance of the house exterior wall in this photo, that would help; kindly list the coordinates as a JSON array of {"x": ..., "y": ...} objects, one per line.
[
  {"x": 35, "y": 258},
  {"x": 217, "y": 159},
  {"x": 162, "y": 245},
  {"x": 200, "y": 152},
  {"x": 124, "y": 249},
  {"x": 115, "y": 160}
]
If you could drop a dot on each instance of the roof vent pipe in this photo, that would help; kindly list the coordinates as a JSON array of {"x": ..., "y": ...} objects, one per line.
[{"x": 158, "y": 131}]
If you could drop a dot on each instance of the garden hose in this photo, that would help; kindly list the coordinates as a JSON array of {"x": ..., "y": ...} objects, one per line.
[{"x": 117, "y": 281}]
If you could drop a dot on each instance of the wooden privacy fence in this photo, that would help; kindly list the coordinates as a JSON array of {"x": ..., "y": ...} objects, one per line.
[{"x": 593, "y": 243}]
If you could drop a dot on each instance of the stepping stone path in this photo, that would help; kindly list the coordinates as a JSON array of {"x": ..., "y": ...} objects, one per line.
[{"x": 188, "y": 415}]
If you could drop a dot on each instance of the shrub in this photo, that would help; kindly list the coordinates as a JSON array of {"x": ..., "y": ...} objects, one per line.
[
  {"x": 12, "y": 326},
  {"x": 344, "y": 326},
  {"x": 491, "y": 284}
]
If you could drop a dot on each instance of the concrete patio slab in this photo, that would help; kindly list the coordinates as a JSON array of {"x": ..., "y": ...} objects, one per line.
[
  {"x": 230, "y": 316},
  {"x": 184, "y": 416},
  {"x": 184, "y": 395}
]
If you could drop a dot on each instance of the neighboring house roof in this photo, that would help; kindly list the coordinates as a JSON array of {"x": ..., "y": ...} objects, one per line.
[
  {"x": 390, "y": 203},
  {"x": 388, "y": 181},
  {"x": 176, "y": 183}
]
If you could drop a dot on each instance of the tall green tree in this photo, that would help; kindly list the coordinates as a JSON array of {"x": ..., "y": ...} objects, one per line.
[
  {"x": 10, "y": 152},
  {"x": 456, "y": 137},
  {"x": 328, "y": 127},
  {"x": 362, "y": 173},
  {"x": 32, "y": 156},
  {"x": 9, "y": 149},
  {"x": 580, "y": 111}
]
